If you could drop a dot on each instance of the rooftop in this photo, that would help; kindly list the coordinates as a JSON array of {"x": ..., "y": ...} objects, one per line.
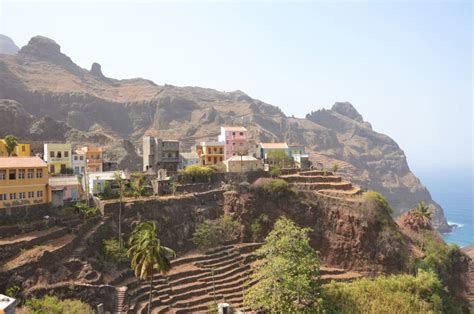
[
  {"x": 190, "y": 155},
  {"x": 5, "y": 302},
  {"x": 242, "y": 158},
  {"x": 234, "y": 128},
  {"x": 22, "y": 162},
  {"x": 274, "y": 145},
  {"x": 61, "y": 181},
  {"x": 212, "y": 143}
]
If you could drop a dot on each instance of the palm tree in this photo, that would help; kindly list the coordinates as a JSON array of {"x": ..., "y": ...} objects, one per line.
[
  {"x": 148, "y": 255},
  {"x": 422, "y": 212}
]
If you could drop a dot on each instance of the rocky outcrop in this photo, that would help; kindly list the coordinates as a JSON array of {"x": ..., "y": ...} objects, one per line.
[
  {"x": 47, "y": 83},
  {"x": 7, "y": 45}
]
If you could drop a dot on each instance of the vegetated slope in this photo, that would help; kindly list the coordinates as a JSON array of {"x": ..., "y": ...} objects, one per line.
[{"x": 92, "y": 108}]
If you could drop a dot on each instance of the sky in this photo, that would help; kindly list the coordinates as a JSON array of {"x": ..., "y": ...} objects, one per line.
[{"x": 406, "y": 66}]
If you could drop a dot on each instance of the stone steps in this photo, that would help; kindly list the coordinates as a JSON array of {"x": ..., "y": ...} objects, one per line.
[{"x": 343, "y": 185}]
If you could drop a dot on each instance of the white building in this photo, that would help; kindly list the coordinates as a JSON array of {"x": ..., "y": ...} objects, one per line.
[
  {"x": 96, "y": 180},
  {"x": 188, "y": 159},
  {"x": 78, "y": 162},
  {"x": 243, "y": 164}
]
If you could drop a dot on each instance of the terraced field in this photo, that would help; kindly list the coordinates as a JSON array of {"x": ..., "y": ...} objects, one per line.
[
  {"x": 323, "y": 182},
  {"x": 199, "y": 280}
]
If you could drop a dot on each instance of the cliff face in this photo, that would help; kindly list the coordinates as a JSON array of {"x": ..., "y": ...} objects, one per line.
[
  {"x": 352, "y": 235},
  {"x": 91, "y": 108},
  {"x": 7, "y": 45}
]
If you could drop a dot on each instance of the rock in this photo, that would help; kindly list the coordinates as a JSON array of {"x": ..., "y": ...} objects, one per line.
[
  {"x": 346, "y": 109},
  {"x": 7, "y": 45}
]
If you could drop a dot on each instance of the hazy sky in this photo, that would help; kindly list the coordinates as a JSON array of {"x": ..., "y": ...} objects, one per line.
[{"x": 407, "y": 67}]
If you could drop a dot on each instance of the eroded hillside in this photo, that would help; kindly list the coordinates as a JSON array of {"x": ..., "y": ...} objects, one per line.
[{"x": 62, "y": 101}]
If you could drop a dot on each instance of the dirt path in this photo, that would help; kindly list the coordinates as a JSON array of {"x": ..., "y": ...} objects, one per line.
[
  {"x": 36, "y": 252},
  {"x": 28, "y": 236}
]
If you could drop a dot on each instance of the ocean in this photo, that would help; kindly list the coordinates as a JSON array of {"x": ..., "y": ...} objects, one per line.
[{"x": 453, "y": 190}]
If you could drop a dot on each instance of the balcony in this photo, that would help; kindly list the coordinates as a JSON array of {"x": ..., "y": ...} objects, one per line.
[{"x": 59, "y": 159}]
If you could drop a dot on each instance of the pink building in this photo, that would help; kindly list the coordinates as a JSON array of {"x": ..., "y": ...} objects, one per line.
[{"x": 235, "y": 139}]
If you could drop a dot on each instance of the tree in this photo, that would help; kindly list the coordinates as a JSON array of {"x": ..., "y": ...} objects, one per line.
[
  {"x": 121, "y": 183},
  {"x": 287, "y": 272},
  {"x": 280, "y": 158},
  {"x": 212, "y": 233},
  {"x": 335, "y": 167},
  {"x": 53, "y": 305},
  {"x": 148, "y": 255},
  {"x": 11, "y": 142}
]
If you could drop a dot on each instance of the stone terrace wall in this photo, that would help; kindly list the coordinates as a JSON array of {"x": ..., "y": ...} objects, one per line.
[
  {"x": 26, "y": 212},
  {"x": 177, "y": 216}
]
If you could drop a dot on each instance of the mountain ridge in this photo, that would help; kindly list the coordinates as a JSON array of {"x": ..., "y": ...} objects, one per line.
[{"x": 90, "y": 107}]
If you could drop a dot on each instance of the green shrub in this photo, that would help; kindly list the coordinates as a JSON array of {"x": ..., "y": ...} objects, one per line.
[
  {"x": 275, "y": 171},
  {"x": 393, "y": 294},
  {"x": 52, "y": 305},
  {"x": 198, "y": 173},
  {"x": 212, "y": 233},
  {"x": 379, "y": 199},
  {"x": 85, "y": 211},
  {"x": 113, "y": 253}
]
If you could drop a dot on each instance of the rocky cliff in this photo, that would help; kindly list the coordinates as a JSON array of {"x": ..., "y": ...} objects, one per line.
[
  {"x": 7, "y": 45},
  {"x": 48, "y": 87}
]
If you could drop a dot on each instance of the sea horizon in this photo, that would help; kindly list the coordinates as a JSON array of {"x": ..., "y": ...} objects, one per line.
[{"x": 452, "y": 189}]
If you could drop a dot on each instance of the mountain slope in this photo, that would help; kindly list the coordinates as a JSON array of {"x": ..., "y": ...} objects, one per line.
[{"x": 92, "y": 108}]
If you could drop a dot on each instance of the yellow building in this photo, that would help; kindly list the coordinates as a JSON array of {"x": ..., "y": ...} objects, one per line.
[
  {"x": 211, "y": 153},
  {"x": 23, "y": 181},
  {"x": 59, "y": 157},
  {"x": 20, "y": 150},
  {"x": 93, "y": 158}
]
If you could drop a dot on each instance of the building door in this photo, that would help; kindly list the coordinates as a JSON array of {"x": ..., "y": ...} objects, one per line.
[
  {"x": 52, "y": 169},
  {"x": 63, "y": 168}
]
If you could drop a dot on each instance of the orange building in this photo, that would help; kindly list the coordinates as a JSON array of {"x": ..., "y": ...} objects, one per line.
[
  {"x": 23, "y": 181},
  {"x": 211, "y": 153},
  {"x": 93, "y": 158}
]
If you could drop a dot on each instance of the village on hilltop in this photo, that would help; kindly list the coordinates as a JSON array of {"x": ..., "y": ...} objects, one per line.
[{"x": 61, "y": 174}]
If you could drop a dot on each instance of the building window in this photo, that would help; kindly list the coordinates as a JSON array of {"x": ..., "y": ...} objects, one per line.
[
  {"x": 233, "y": 133},
  {"x": 215, "y": 150},
  {"x": 12, "y": 174},
  {"x": 208, "y": 150},
  {"x": 23, "y": 148},
  {"x": 30, "y": 173},
  {"x": 221, "y": 151},
  {"x": 81, "y": 157},
  {"x": 75, "y": 157},
  {"x": 31, "y": 194},
  {"x": 227, "y": 142},
  {"x": 51, "y": 154},
  {"x": 3, "y": 174},
  {"x": 233, "y": 144},
  {"x": 241, "y": 134},
  {"x": 66, "y": 154},
  {"x": 59, "y": 155},
  {"x": 39, "y": 194},
  {"x": 52, "y": 169},
  {"x": 13, "y": 196},
  {"x": 39, "y": 172},
  {"x": 209, "y": 159},
  {"x": 220, "y": 158},
  {"x": 76, "y": 170},
  {"x": 21, "y": 195},
  {"x": 82, "y": 169},
  {"x": 21, "y": 174},
  {"x": 3, "y": 197}
]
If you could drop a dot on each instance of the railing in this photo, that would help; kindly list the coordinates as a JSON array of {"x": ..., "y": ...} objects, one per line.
[{"x": 59, "y": 159}]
